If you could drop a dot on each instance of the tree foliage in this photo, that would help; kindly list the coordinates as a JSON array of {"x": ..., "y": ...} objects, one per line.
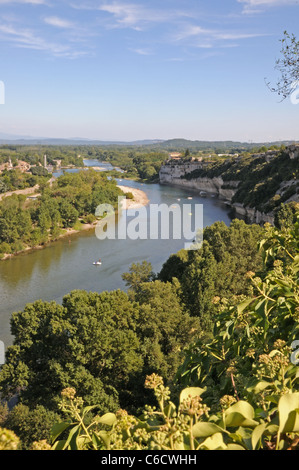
[
  {"x": 288, "y": 67},
  {"x": 237, "y": 383},
  {"x": 71, "y": 198},
  {"x": 215, "y": 273},
  {"x": 239, "y": 391}
]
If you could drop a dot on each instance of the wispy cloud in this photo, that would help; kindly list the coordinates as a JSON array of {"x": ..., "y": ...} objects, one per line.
[
  {"x": 26, "y": 38},
  {"x": 207, "y": 38},
  {"x": 136, "y": 15},
  {"x": 141, "y": 51},
  {"x": 133, "y": 15},
  {"x": 179, "y": 24},
  {"x": 257, "y": 6},
  {"x": 32, "y": 2},
  {"x": 59, "y": 22}
]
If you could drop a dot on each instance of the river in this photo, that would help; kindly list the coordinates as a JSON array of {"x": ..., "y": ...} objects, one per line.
[{"x": 62, "y": 266}]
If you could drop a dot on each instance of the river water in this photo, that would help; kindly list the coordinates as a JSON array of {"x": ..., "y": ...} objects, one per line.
[{"x": 67, "y": 264}]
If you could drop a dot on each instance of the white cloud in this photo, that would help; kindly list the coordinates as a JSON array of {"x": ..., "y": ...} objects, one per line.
[
  {"x": 132, "y": 15},
  {"x": 32, "y": 2},
  {"x": 211, "y": 36},
  {"x": 141, "y": 51},
  {"x": 254, "y": 6},
  {"x": 26, "y": 38},
  {"x": 59, "y": 22}
]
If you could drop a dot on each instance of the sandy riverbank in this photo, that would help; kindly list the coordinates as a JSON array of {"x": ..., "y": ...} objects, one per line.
[{"x": 140, "y": 198}]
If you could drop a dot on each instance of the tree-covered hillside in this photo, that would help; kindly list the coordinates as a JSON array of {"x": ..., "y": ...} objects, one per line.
[{"x": 263, "y": 182}]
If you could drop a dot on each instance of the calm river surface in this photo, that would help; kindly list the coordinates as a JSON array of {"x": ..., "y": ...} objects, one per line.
[{"x": 66, "y": 264}]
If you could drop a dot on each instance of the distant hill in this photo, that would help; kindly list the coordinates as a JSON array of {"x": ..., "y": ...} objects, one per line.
[
  {"x": 177, "y": 144},
  {"x": 169, "y": 145},
  {"x": 9, "y": 139}
]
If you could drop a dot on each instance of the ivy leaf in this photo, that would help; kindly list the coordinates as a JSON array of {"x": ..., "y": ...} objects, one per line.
[
  {"x": 108, "y": 418},
  {"x": 201, "y": 430},
  {"x": 288, "y": 408},
  {"x": 191, "y": 392}
]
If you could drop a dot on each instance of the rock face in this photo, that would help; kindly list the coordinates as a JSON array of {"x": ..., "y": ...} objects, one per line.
[
  {"x": 175, "y": 173},
  {"x": 293, "y": 151},
  {"x": 171, "y": 174}
]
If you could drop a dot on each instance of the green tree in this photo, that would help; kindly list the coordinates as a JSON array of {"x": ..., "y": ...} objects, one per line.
[
  {"x": 165, "y": 328},
  {"x": 31, "y": 425},
  {"x": 69, "y": 214},
  {"x": 89, "y": 342},
  {"x": 217, "y": 270},
  {"x": 138, "y": 274},
  {"x": 288, "y": 66}
]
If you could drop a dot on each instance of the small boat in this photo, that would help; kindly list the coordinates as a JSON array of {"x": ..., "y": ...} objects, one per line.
[
  {"x": 190, "y": 198},
  {"x": 97, "y": 263}
]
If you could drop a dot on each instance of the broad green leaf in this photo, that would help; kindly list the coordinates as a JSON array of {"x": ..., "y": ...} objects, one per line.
[
  {"x": 241, "y": 307},
  {"x": 237, "y": 419},
  {"x": 257, "y": 434},
  {"x": 100, "y": 439},
  {"x": 272, "y": 429},
  {"x": 58, "y": 429},
  {"x": 59, "y": 445},
  {"x": 87, "y": 409},
  {"x": 234, "y": 447},
  {"x": 108, "y": 418},
  {"x": 191, "y": 392},
  {"x": 242, "y": 436},
  {"x": 240, "y": 414},
  {"x": 259, "y": 386},
  {"x": 81, "y": 442},
  {"x": 214, "y": 442},
  {"x": 261, "y": 308},
  {"x": 288, "y": 408},
  {"x": 71, "y": 439},
  {"x": 273, "y": 398},
  {"x": 201, "y": 430}
]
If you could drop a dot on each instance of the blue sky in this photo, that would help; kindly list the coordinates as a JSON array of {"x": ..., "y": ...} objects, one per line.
[{"x": 136, "y": 69}]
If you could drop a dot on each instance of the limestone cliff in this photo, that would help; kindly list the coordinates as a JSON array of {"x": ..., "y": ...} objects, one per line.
[{"x": 187, "y": 174}]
